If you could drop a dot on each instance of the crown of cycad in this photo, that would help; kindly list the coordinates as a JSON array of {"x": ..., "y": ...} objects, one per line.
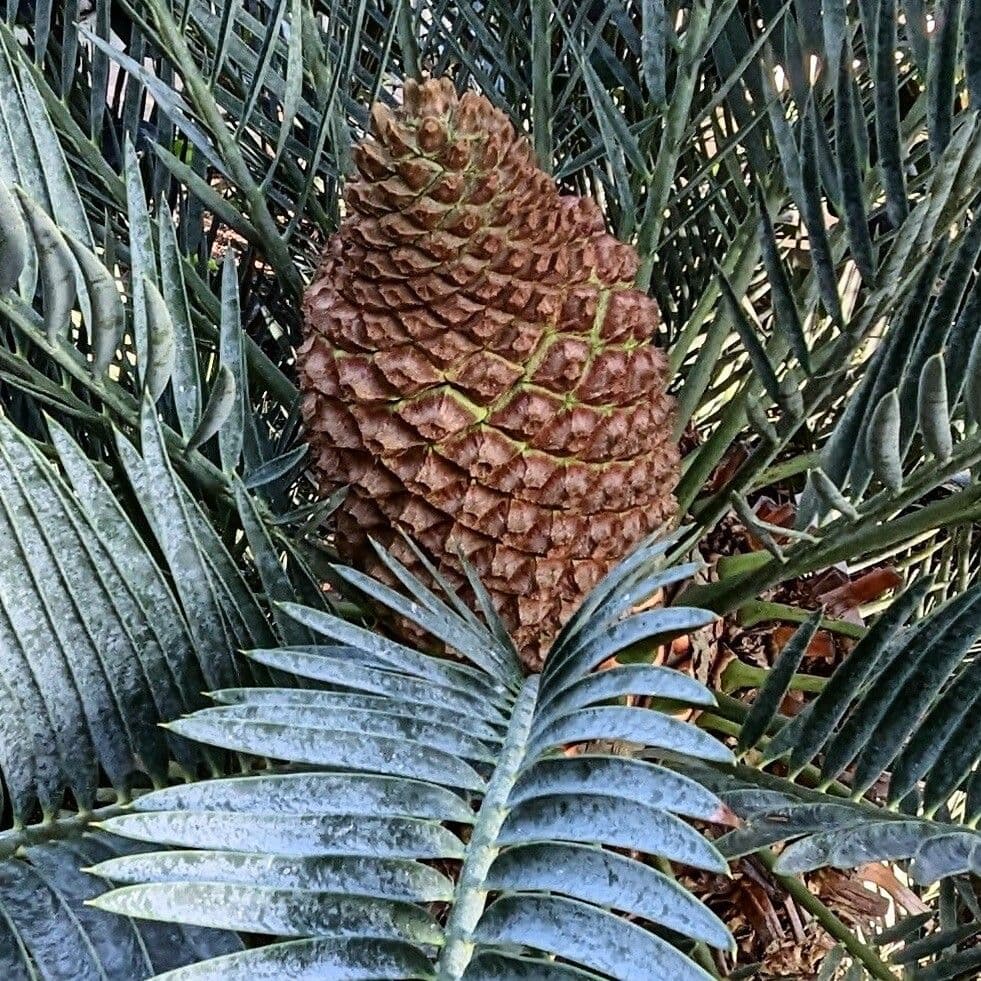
[{"x": 479, "y": 369}]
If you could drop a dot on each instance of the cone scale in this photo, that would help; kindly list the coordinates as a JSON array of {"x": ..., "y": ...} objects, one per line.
[{"x": 479, "y": 369}]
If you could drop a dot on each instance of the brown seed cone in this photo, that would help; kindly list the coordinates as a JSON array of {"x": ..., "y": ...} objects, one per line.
[{"x": 479, "y": 369}]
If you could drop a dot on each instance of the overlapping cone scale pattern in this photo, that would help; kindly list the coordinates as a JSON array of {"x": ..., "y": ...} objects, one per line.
[{"x": 479, "y": 369}]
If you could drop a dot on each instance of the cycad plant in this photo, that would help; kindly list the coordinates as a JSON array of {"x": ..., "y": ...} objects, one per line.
[{"x": 607, "y": 604}]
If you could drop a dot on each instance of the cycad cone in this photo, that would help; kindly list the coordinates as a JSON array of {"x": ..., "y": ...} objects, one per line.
[{"x": 479, "y": 369}]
